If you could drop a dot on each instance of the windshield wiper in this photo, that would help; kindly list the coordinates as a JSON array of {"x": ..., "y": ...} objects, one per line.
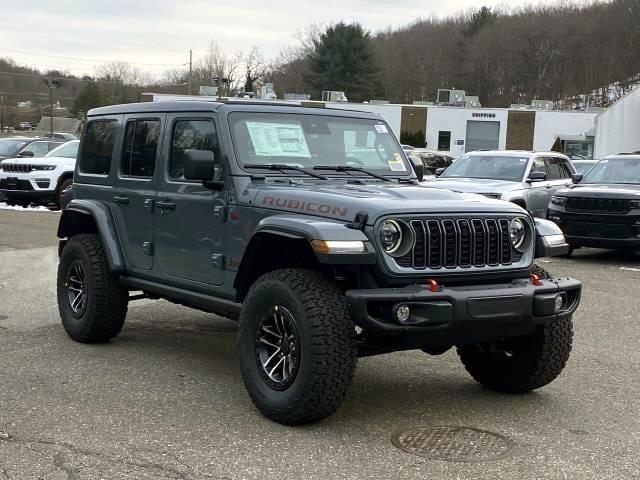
[
  {"x": 283, "y": 168},
  {"x": 349, "y": 168}
]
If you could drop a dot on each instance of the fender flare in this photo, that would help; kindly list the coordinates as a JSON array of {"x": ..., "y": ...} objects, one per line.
[
  {"x": 71, "y": 224},
  {"x": 312, "y": 228}
]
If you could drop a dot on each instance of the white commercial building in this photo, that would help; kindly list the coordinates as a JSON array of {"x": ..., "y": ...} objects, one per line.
[
  {"x": 459, "y": 129},
  {"x": 618, "y": 128}
]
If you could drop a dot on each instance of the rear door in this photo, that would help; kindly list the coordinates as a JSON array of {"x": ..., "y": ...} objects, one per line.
[
  {"x": 134, "y": 188},
  {"x": 189, "y": 218},
  {"x": 557, "y": 175}
]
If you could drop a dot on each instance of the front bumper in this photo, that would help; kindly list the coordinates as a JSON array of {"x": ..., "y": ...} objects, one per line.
[
  {"x": 455, "y": 315},
  {"x": 598, "y": 230}
]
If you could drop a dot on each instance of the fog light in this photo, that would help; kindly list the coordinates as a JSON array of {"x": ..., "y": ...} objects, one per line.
[
  {"x": 559, "y": 303},
  {"x": 403, "y": 312}
]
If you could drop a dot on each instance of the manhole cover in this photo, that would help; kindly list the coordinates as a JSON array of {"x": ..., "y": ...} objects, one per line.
[{"x": 453, "y": 444}]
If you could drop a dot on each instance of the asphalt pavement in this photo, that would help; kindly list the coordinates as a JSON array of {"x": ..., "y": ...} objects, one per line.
[{"x": 164, "y": 400}]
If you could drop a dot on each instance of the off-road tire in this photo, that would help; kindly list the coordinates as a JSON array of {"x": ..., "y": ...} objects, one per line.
[
  {"x": 537, "y": 358},
  {"x": 328, "y": 352},
  {"x": 107, "y": 299}
]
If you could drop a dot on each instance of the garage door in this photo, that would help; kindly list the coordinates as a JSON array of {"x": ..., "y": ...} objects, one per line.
[{"x": 482, "y": 135}]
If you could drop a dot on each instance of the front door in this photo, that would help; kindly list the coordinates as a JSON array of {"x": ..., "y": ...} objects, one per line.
[
  {"x": 189, "y": 217},
  {"x": 134, "y": 188},
  {"x": 538, "y": 195}
]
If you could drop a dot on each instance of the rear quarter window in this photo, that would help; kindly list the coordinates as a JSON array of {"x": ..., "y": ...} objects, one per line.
[{"x": 97, "y": 147}]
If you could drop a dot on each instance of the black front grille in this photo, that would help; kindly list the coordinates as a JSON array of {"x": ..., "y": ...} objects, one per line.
[
  {"x": 606, "y": 205},
  {"x": 19, "y": 185},
  {"x": 16, "y": 168},
  {"x": 459, "y": 243}
]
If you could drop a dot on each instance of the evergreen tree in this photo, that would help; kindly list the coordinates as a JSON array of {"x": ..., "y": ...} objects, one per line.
[
  {"x": 91, "y": 97},
  {"x": 343, "y": 60}
]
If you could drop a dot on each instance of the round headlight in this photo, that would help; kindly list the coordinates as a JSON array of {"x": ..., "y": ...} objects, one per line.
[
  {"x": 390, "y": 235},
  {"x": 518, "y": 233}
]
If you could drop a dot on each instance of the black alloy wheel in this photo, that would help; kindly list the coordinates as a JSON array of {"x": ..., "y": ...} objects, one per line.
[{"x": 278, "y": 347}]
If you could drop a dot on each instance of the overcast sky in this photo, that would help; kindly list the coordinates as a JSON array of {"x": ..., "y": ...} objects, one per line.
[{"x": 159, "y": 32}]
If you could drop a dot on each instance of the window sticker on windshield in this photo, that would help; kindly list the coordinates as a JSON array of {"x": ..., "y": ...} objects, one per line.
[
  {"x": 523, "y": 160},
  {"x": 396, "y": 165},
  {"x": 278, "y": 139},
  {"x": 381, "y": 128}
]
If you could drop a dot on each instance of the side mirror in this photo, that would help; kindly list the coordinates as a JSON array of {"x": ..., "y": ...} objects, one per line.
[
  {"x": 440, "y": 171},
  {"x": 577, "y": 177},
  {"x": 418, "y": 167},
  {"x": 201, "y": 165},
  {"x": 537, "y": 177},
  {"x": 26, "y": 153}
]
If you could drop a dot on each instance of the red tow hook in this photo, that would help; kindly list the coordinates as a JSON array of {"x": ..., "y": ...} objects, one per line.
[
  {"x": 535, "y": 280},
  {"x": 433, "y": 285}
]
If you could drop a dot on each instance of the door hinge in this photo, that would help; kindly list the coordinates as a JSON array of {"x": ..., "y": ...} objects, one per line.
[
  {"x": 220, "y": 211},
  {"x": 147, "y": 247},
  {"x": 218, "y": 261}
]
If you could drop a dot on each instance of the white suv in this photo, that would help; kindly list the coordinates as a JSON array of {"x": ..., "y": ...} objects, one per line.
[{"x": 45, "y": 180}]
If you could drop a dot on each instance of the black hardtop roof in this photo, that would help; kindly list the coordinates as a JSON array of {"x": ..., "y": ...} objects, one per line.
[{"x": 229, "y": 106}]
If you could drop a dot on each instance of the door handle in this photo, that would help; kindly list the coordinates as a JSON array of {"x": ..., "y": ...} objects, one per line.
[
  {"x": 165, "y": 205},
  {"x": 548, "y": 187},
  {"x": 122, "y": 199}
]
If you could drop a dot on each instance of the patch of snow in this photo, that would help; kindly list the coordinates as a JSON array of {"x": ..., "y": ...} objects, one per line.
[{"x": 4, "y": 206}]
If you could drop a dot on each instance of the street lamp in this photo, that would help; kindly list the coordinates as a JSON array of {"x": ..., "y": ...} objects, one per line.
[{"x": 51, "y": 84}]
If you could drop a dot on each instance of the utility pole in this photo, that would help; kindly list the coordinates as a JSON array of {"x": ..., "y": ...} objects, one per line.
[
  {"x": 1, "y": 113},
  {"x": 51, "y": 84},
  {"x": 190, "y": 70}
]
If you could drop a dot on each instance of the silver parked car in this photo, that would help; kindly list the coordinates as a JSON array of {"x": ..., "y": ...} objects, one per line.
[{"x": 524, "y": 178}]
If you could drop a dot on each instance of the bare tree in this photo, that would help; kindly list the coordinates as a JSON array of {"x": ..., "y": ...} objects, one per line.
[{"x": 218, "y": 68}]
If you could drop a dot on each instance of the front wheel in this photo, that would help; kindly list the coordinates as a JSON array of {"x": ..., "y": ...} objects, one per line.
[
  {"x": 91, "y": 301},
  {"x": 521, "y": 364},
  {"x": 297, "y": 346},
  {"x": 64, "y": 193}
]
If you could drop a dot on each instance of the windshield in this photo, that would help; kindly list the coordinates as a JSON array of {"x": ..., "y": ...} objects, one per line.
[
  {"x": 306, "y": 141},
  {"x": 614, "y": 170},
  {"x": 10, "y": 146},
  {"x": 583, "y": 167},
  {"x": 487, "y": 166},
  {"x": 69, "y": 150}
]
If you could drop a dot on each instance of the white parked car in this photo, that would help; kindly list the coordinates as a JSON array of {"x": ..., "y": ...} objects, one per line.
[{"x": 43, "y": 180}]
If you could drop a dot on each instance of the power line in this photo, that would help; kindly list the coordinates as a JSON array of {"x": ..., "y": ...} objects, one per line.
[
  {"x": 64, "y": 78},
  {"x": 89, "y": 59},
  {"x": 56, "y": 34}
]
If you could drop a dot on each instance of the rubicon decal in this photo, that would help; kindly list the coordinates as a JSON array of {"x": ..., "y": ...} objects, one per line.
[{"x": 301, "y": 206}]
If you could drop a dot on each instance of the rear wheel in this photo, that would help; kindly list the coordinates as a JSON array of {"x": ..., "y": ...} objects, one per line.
[
  {"x": 524, "y": 363},
  {"x": 297, "y": 346},
  {"x": 91, "y": 301}
]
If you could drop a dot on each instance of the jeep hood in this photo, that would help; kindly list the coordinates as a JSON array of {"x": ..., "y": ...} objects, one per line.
[
  {"x": 609, "y": 190},
  {"x": 343, "y": 201},
  {"x": 474, "y": 185}
]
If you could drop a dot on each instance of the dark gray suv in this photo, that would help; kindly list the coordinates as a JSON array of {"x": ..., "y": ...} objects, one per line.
[{"x": 308, "y": 226}]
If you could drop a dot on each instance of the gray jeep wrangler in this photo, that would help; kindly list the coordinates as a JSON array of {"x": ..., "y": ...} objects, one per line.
[{"x": 309, "y": 227}]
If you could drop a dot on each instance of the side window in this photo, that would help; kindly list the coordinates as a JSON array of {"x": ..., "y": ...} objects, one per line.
[
  {"x": 553, "y": 169},
  {"x": 566, "y": 168},
  {"x": 444, "y": 141},
  {"x": 97, "y": 148},
  {"x": 39, "y": 149},
  {"x": 191, "y": 135},
  {"x": 140, "y": 148},
  {"x": 539, "y": 166}
]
